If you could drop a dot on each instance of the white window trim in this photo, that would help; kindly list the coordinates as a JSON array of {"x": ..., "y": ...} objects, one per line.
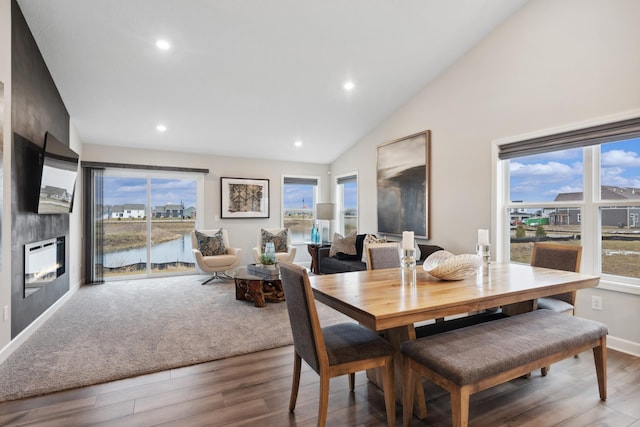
[
  {"x": 315, "y": 196},
  {"x": 590, "y": 226},
  {"x": 340, "y": 198}
]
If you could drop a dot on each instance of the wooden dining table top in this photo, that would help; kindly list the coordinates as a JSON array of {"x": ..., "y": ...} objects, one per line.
[{"x": 378, "y": 299}]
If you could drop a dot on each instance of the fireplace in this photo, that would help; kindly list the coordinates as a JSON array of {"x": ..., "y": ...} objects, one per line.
[{"x": 44, "y": 261}]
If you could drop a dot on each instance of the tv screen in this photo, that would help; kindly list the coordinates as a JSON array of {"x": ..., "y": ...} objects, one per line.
[{"x": 59, "y": 173}]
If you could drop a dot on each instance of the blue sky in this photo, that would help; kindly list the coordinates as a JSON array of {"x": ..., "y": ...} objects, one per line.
[
  {"x": 298, "y": 195},
  {"x": 121, "y": 190},
  {"x": 541, "y": 177}
]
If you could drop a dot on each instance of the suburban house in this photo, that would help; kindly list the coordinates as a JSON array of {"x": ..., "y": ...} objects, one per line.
[
  {"x": 623, "y": 217},
  {"x": 545, "y": 68},
  {"x": 170, "y": 210},
  {"x": 128, "y": 211}
]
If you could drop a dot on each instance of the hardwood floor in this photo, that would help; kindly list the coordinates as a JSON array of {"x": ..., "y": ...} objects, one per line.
[{"x": 253, "y": 390}]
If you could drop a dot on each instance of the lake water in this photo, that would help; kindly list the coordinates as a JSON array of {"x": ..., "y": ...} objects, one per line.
[{"x": 173, "y": 250}]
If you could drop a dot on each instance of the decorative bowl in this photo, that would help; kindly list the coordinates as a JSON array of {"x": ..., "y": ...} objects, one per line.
[{"x": 447, "y": 266}]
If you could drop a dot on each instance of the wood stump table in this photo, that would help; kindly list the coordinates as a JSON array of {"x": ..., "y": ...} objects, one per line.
[{"x": 257, "y": 289}]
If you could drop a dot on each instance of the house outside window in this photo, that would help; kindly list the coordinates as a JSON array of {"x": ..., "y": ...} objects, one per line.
[
  {"x": 578, "y": 187},
  {"x": 299, "y": 198},
  {"x": 347, "y": 196}
]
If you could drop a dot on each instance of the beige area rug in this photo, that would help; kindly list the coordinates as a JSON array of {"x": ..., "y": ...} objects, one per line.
[{"x": 125, "y": 329}]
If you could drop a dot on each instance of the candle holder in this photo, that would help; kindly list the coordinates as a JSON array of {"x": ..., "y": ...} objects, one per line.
[
  {"x": 484, "y": 252},
  {"x": 408, "y": 267}
]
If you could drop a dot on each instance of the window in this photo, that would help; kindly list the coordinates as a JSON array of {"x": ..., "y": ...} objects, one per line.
[
  {"x": 146, "y": 230},
  {"x": 299, "y": 197},
  {"x": 347, "y": 195},
  {"x": 580, "y": 187}
]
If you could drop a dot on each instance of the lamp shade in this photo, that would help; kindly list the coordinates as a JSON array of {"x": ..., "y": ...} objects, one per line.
[{"x": 325, "y": 211}]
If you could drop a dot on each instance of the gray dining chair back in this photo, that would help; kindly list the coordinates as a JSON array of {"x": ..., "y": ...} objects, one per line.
[
  {"x": 334, "y": 350},
  {"x": 559, "y": 257},
  {"x": 383, "y": 255}
]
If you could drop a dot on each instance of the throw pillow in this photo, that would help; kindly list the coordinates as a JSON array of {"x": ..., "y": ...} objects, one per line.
[
  {"x": 346, "y": 245},
  {"x": 279, "y": 240},
  {"x": 211, "y": 245},
  {"x": 370, "y": 238}
]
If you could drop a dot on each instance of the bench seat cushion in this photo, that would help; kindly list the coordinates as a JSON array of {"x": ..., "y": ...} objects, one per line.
[{"x": 467, "y": 355}]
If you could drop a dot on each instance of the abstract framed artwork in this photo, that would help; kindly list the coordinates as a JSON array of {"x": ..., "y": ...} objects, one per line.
[
  {"x": 244, "y": 198},
  {"x": 403, "y": 185}
]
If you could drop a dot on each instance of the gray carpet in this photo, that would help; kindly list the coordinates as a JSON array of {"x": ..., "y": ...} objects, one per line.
[{"x": 124, "y": 329}]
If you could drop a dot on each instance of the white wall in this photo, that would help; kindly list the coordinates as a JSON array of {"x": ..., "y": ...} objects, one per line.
[
  {"x": 554, "y": 63},
  {"x": 242, "y": 232},
  {"x": 5, "y": 179}
]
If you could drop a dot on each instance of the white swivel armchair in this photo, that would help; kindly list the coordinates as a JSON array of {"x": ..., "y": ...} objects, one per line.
[
  {"x": 277, "y": 233},
  {"x": 219, "y": 263}
]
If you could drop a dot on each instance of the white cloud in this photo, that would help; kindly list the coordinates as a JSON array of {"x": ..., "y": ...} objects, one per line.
[
  {"x": 552, "y": 170},
  {"x": 620, "y": 158}
]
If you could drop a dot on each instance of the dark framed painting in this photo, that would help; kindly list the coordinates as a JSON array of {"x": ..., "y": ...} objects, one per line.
[
  {"x": 244, "y": 198},
  {"x": 403, "y": 185}
]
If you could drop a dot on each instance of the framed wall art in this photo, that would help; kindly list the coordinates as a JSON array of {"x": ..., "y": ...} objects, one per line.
[
  {"x": 244, "y": 198},
  {"x": 403, "y": 185}
]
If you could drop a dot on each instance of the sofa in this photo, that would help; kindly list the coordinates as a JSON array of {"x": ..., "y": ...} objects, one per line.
[{"x": 342, "y": 263}]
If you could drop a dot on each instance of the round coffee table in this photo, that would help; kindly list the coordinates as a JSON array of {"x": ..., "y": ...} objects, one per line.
[{"x": 252, "y": 287}]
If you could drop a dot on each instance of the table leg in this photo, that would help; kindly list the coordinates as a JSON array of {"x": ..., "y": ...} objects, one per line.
[{"x": 396, "y": 337}]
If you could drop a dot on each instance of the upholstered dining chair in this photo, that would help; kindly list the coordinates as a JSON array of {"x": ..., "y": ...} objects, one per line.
[
  {"x": 213, "y": 253},
  {"x": 335, "y": 350},
  {"x": 281, "y": 237},
  {"x": 559, "y": 257},
  {"x": 383, "y": 255}
]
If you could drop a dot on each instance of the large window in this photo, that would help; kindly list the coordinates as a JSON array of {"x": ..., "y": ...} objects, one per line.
[
  {"x": 147, "y": 218},
  {"x": 579, "y": 187},
  {"x": 299, "y": 198},
  {"x": 347, "y": 196}
]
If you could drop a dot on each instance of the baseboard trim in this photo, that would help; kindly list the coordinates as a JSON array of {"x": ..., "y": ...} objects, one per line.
[
  {"x": 15, "y": 343},
  {"x": 624, "y": 346}
]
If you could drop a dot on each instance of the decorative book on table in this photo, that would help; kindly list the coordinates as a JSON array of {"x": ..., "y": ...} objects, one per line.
[{"x": 264, "y": 272}]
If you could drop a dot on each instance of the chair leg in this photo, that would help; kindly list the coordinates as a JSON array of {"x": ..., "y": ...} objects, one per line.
[
  {"x": 217, "y": 275},
  {"x": 214, "y": 277},
  {"x": 324, "y": 400},
  {"x": 297, "y": 365}
]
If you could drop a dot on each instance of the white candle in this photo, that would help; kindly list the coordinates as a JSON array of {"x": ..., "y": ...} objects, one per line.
[
  {"x": 483, "y": 237},
  {"x": 407, "y": 240}
]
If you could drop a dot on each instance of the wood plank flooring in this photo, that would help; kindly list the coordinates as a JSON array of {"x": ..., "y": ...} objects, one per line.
[{"x": 253, "y": 390}]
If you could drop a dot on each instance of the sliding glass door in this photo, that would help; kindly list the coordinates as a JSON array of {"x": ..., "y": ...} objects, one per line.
[{"x": 147, "y": 218}]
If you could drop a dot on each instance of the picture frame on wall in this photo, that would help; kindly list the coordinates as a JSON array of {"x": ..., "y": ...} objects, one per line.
[
  {"x": 402, "y": 174},
  {"x": 244, "y": 198}
]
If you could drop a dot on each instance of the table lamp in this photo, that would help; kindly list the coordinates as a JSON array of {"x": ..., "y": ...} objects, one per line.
[{"x": 325, "y": 212}]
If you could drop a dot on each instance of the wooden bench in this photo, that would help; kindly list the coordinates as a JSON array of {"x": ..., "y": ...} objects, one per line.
[{"x": 471, "y": 359}]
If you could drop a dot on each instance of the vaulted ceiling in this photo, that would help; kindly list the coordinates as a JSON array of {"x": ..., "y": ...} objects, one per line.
[{"x": 249, "y": 78}]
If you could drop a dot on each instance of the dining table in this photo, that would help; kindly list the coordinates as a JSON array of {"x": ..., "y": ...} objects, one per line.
[{"x": 379, "y": 300}]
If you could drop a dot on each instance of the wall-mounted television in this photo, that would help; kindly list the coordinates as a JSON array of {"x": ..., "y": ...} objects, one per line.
[{"x": 59, "y": 173}]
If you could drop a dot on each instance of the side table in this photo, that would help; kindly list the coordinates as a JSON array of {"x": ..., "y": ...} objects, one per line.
[{"x": 313, "y": 251}]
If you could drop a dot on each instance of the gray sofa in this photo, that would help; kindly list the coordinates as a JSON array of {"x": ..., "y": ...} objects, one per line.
[{"x": 342, "y": 263}]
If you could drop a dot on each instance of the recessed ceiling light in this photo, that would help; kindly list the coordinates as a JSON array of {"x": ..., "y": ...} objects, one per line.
[
  {"x": 298, "y": 143},
  {"x": 163, "y": 44},
  {"x": 161, "y": 128},
  {"x": 349, "y": 85}
]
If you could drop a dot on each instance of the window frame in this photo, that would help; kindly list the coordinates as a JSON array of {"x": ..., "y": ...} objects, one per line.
[
  {"x": 340, "y": 200},
  {"x": 590, "y": 206},
  {"x": 282, "y": 199}
]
